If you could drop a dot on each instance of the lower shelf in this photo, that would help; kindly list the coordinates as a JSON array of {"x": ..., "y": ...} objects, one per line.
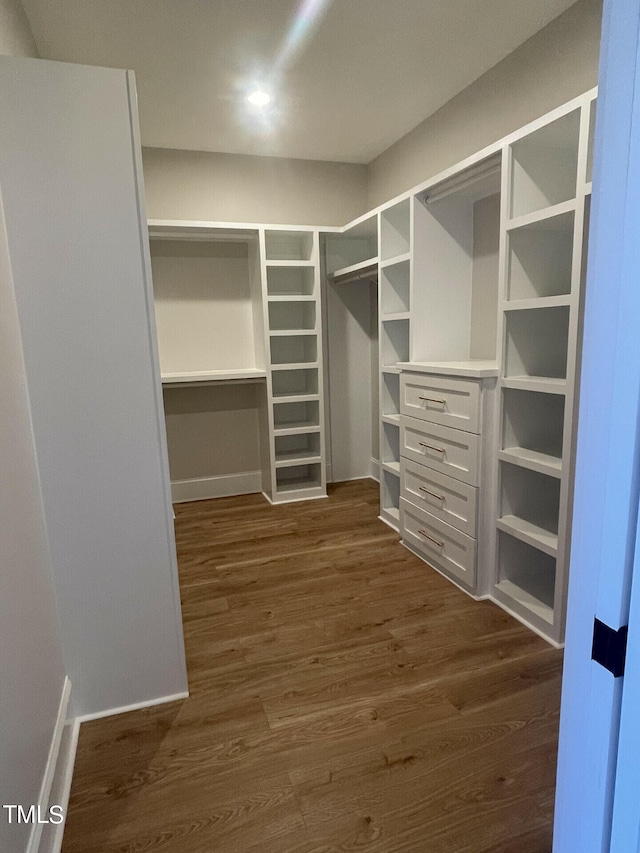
[
  {"x": 298, "y": 478},
  {"x": 526, "y": 584},
  {"x": 525, "y": 600}
]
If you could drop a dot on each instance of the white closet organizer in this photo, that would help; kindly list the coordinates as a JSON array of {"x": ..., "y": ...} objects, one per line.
[
  {"x": 498, "y": 258},
  {"x": 237, "y": 313},
  {"x": 291, "y": 292},
  {"x": 547, "y": 181}
]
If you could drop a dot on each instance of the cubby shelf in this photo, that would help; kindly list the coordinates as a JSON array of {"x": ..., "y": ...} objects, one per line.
[
  {"x": 286, "y": 263},
  {"x": 532, "y": 534},
  {"x": 370, "y": 265},
  {"x": 286, "y": 461},
  {"x": 537, "y": 302},
  {"x": 527, "y": 601},
  {"x": 294, "y": 297},
  {"x": 543, "y": 384},
  {"x": 296, "y": 428},
  {"x": 391, "y": 515},
  {"x": 543, "y": 463},
  {"x": 394, "y": 420},
  {"x": 209, "y": 376},
  {"x": 398, "y": 259},
  {"x": 392, "y": 468},
  {"x": 542, "y": 216},
  {"x": 295, "y": 398},
  {"x": 294, "y": 365},
  {"x": 390, "y": 318},
  {"x": 288, "y": 333}
]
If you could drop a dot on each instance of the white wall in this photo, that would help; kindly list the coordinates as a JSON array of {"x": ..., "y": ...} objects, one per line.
[
  {"x": 557, "y": 64},
  {"x": 16, "y": 38},
  {"x": 241, "y": 188},
  {"x": 31, "y": 666}
]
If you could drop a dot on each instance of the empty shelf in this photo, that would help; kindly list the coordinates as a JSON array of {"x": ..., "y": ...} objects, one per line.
[
  {"x": 526, "y": 600},
  {"x": 532, "y": 534},
  {"x": 543, "y": 463},
  {"x": 210, "y": 376}
]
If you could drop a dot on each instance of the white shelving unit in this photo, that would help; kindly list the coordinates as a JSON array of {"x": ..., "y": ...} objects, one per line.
[
  {"x": 295, "y": 398},
  {"x": 394, "y": 317},
  {"x": 546, "y": 178}
]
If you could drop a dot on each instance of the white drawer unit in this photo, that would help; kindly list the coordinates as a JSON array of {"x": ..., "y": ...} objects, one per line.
[
  {"x": 445, "y": 400},
  {"x": 449, "y": 451},
  {"x": 439, "y": 543},
  {"x": 445, "y": 498},
  {"x": 447, "y": 480}
]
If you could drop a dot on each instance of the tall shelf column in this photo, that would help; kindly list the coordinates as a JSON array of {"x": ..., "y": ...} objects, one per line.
[
  {"x": 543, "y": 234},
  {"x": 395, "y": 302},
  {"x": 295, "y": 400}
]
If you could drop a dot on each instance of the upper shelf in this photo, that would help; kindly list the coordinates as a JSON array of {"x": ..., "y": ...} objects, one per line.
[
  {"x": 207, "y": 377},
  {"x": 475, "y": 368},
  {"x": 367, "y": 269}
]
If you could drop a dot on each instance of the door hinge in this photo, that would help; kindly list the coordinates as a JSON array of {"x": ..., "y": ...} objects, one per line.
[{"x": 609, "y": 647}]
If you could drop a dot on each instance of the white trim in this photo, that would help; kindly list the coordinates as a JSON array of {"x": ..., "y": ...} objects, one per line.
[
  {"x": 374, "y": 473},
  {"x": 137, "y": 706},
  {"x": 225, "y": 485},
  {"x": 64, "y": 772},
  {"x": 50, "y": 767}
]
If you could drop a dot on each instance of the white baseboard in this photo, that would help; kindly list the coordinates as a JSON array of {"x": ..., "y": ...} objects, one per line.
[
  {"x": 51, "y": 841},
  {"x": 137, "y": 706},
  {"x": 375, "y": 470},
  {"x": 202, "y": 488},
  {"x": 50, "y": 767}
]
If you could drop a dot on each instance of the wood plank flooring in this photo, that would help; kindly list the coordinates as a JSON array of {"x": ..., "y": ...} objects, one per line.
[{"x": 344, "y": 697}]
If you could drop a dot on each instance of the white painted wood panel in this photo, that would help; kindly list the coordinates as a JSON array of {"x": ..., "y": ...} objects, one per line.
[{"x": 72, "y": 187}]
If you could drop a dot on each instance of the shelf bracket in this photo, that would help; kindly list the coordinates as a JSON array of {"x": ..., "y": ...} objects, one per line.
[{"x": 609, "y": 647}]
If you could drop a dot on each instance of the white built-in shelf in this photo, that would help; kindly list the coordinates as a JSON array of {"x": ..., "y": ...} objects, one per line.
[
  {"x": 391, "y": 515},
  {"x": 294, "y": 297},
  {"x": 588, "y": 188},
  {"x": 290, "y": 263},
  {"x": 476, "y": 368},
  {"x": 398, "y": 259},
  {"x": 537, "y": 302},
  {"x": 295, "y": 365},
  {"x": 363, "y": 269},
  {"x": 392, "y": 468},
  {"x": 210, "y": 376},
  {"x": 543, "y": 463},
  {"x": 300, "y": 397},
  {"x": 287, "y": 333},
  {"x": 286, "y": 460},
  {"x": 390, "y": 368},
  {"x": 296, "y": 428},
  {"x": 393, "y": 419},
  {"x": 544, "y": 384},
  {"x": 400, "y": 315},
  {"x": 531, "y": 534},
  {"x": 526, "y": 600},
  {"x": 551, "y": 216}
]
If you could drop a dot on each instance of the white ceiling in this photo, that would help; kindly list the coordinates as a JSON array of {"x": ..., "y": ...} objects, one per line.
[{"x": 366, "y": 73}]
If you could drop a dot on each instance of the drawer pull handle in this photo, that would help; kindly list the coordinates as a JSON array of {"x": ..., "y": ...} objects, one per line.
[
  {"x": 433, "y": 400},
  {"x": 431, "y": 447},
  {"x": 431, "y": 539},
  {"x": 433, "y": 494}
]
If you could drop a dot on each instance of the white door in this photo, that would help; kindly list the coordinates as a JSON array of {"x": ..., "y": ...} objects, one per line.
[{"x": 607, "y": 481}]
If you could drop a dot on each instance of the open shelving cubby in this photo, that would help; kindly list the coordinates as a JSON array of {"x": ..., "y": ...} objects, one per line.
[
  {"x": 529, "y": 507},
  {"x": 390, "y": 498},
  {"x": 290, "y": 282},
  {"x": 294, "y": 480},
  {"x": 295, "y": 382},
  {"x": 540, "y": 257},
  {"x": 288, "y": 245},
  {"x": 297, "y": 448},
  {"x": 352, "y": 250},
  {"x": 532, "y": 430},
  {"x": 294, "y": 349},
  {"x": 395, "y": 230},
  {"x": 526, "y": 582},
  {"x": 544, "y": 166},
  {"x": 296, "y": 416},
  {"x": 536, "y": 343},
  {"x": 394, "y": 341},
  {"x": 395, "y": 288},
  {"x": 292, "y": 316}
]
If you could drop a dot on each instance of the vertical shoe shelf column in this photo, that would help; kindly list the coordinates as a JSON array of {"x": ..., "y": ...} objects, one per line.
[
  {"x": 541, "y": 275},
  {"x": 394, "y": 301},
  {"x": 291, "y": 293}
]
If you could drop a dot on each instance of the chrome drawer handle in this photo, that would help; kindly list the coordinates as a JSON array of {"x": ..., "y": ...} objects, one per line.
[
  {"x": 433, "y": 494},
  {"x": 431, "y": 539},
  {"x": 433, "y": 400},
  {"x": 431, "y": 447}
]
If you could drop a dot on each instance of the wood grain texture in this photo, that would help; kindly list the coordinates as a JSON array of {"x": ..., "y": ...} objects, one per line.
[{"x": 343, "y": 697}]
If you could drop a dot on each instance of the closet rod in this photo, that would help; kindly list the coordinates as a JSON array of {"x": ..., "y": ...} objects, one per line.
[
  {"x": 462, "y": 182},
  {"x": 362, "y": 276}
]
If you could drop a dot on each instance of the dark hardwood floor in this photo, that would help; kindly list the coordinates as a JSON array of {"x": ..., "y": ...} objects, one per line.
[{"x": 343, "y": 697}]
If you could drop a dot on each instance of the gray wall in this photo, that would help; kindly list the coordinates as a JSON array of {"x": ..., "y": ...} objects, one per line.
[
  {"x": 557, "y": 64},
  {"x": 242, "y": 188},
  {"x": 31, "y": 666},
  {"x": 16, "y": 38}
]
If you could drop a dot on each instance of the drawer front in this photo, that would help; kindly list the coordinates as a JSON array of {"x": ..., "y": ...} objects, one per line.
[
  {"x": 449, "y": 451},
  {"x": 440, "y": 544},
  {"x": 441, "y": 400},
  {"x": 447, "y": 499}
]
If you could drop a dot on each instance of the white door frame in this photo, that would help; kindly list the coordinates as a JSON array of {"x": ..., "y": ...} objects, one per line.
[{"x": 607, "y": 482}]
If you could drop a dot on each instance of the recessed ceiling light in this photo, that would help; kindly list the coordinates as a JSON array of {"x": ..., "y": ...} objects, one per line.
[{"x": 259, "y": 98}]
